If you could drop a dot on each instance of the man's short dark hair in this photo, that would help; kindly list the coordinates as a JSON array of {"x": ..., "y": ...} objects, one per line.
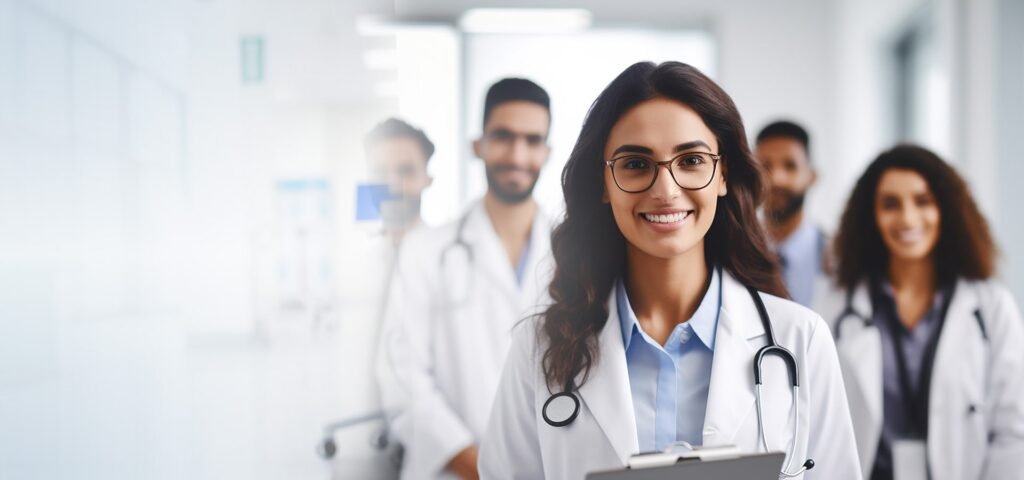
[
  {"x": 786, "y": 129},
  {"x": 515, "y": 90},
  {"x": 393, "y": 128}
]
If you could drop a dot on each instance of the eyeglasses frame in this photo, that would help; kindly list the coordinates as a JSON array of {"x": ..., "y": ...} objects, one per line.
[{"x": 714, "y": 168}]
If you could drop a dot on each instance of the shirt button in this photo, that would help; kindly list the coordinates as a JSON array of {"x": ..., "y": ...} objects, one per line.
[{"x": 685, "y": 334}]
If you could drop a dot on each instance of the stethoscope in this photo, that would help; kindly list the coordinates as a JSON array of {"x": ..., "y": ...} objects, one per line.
[
  {"x": 915, "y": 400},
  {"x": 458, "y": 244},
  {"x": 847, "y": 312},
  {"x": 562, "y": 408}
]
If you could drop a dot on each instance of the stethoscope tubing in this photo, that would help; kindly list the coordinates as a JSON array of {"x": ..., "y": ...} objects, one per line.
[
  {"x": 771, "y": 349},
  {"x": 458, "y": 242}
]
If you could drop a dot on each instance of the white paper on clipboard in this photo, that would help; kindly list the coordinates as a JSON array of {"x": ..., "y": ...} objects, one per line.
[{"x": 909, "y": 460}]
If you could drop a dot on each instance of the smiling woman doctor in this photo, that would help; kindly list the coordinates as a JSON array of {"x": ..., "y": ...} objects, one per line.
[
  {"x": 930, "y": 346},
  {"x": 664, "y": 295}
]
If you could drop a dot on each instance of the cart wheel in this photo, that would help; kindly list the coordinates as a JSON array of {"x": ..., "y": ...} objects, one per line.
[
  {"x": 327, "y": 448},
  {"x": 380, "y": 440}
]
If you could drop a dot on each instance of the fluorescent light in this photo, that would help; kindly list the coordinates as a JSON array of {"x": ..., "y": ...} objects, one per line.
[{"x": 525, "y": 20}]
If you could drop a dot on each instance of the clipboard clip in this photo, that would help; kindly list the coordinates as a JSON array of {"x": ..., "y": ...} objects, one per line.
[{"x": 673, "y": 455}]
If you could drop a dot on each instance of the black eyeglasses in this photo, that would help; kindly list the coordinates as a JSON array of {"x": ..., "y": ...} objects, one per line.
[{"x": 690, "y": 171}]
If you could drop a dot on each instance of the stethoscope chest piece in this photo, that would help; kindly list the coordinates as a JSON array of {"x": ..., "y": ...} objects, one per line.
[{"x": 561, "y": 409}]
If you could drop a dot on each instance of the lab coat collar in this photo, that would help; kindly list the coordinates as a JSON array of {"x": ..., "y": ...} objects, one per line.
[
  {"x": 704, "y": 321},
  {"x": 491, "y": 257},
  {"x": 860, "y": 344},
  {"x": 860, "y": 303},
  {"x": 731, "y": 394}
]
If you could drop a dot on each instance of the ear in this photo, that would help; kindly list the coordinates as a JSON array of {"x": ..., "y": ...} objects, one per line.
[
  {"x": 430, "y": 181},
  {"x": 814, "y": 177},
  {"x": 724, "y": 186},
  {"x": 477, "y": 147}
]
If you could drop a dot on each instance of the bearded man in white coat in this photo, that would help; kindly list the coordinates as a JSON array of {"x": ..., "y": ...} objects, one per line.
[{"x": 459, "y": 289}]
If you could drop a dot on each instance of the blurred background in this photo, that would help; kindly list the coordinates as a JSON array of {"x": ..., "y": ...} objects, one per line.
[{"x": 181, "y": 289}]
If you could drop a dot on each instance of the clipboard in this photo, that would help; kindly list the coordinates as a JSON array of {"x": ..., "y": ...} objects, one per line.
[{"x": 758, "y": 466}]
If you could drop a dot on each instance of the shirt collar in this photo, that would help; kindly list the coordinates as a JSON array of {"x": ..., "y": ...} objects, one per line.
[
  {"x": 627, "y": 320},
  {"x": 704, "y": 321},
  {"x": 886, "y": 292}
]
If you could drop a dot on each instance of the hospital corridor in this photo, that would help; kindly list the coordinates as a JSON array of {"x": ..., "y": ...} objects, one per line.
[{"x": 383, "y": 239}]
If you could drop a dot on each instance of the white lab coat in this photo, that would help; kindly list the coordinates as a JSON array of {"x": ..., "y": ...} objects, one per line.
[
  {"x": 520, "y": 444},
  {"x": 976, "y": 411},
  {"x": 440, "y": 362}
]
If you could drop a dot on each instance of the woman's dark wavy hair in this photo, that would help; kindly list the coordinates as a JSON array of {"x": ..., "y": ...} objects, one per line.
[
  {"x": 590, "y": 251},
  {"x": 965, "y": 247}
]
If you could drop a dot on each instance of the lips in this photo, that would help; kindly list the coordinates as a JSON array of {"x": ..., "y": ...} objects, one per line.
[
  {"x": 520, "y": 175},
  {"x": 910, "y": 236}
]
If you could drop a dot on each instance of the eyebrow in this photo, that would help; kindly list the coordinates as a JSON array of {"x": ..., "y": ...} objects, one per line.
[
  {"x": 647, "y": 151},
  {"x": 897, "y": 195}
]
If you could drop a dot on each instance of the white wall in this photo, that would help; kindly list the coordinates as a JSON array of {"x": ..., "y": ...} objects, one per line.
[
  {"x": 573, "y": 68},
  {"x": 976, "y": 47},
  {"x": 92, "y": 179},
  {"x": 137, "y": 181},
  {"x": 774, "y": 58},
  {"x": 1009, "y": 123}
]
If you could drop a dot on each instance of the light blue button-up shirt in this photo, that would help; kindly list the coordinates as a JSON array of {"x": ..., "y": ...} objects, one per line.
[
  {"x": 801, "y": 261},
  {"x": 521, "y": 264},
  {"x": 670, "y": 384}
]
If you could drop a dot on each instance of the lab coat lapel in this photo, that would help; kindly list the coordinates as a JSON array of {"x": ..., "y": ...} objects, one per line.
[
  {"x": 607, "y": 394},
  {"x": 731, "y": 393},
  {"x": 860, "y": 347},
  {"x": 953, "y": 354},
  {"x": 489, "y": 255},
  {"x": 539, "y": 266}
]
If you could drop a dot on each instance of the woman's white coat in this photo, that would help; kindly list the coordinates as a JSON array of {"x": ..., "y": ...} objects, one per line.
[
  {"x": 520, "y": 444},
  {"x": 976, "y": 411}
]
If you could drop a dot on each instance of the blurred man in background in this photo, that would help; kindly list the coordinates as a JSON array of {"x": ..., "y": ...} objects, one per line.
[
  {"x": 783, "y": 148},
  {"x": 459, "y": 289},
  {"x": 398, "y": 154}
]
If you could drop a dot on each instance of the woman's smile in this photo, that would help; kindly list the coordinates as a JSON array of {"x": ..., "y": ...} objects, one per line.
[{"x": 666, "y": 219}]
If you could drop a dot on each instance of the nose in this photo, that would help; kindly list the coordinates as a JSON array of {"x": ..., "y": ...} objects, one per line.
[
  {"x": 776, "y": 176},
  {"x": 909, "y": 215},
  {"x": 519, "y": 153},
  {"x": 665, "y": 187}
]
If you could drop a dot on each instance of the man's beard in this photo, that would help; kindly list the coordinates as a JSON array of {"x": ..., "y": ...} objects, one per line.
[
  {"x": 400, "y": 211},
  {"x": 794, "y": 204},
  {"x": 506, "y": 195}
]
